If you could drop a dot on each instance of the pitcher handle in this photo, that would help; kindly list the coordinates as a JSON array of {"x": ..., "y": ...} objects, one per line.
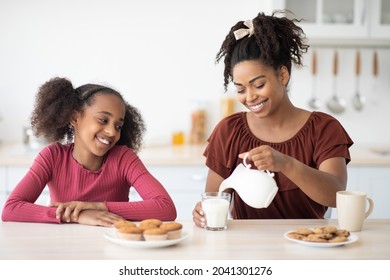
[{"x": 248, "y": 165}]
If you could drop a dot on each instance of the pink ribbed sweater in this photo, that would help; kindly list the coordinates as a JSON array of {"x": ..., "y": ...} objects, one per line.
[{"x": 69, "y": 181}]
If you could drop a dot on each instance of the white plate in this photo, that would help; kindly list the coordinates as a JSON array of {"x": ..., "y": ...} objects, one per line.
[
  {"x": 351, "y": 239},
  {"x": 144, "y": 244}
]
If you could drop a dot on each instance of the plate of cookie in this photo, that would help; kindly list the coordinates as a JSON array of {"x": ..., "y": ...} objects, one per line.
[
  {"x": 150, "y": 233},
  {"x": 326, "y": 236}
]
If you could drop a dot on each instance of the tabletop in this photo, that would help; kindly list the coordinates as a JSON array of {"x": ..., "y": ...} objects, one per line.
[{"x": 243, "y": 239}]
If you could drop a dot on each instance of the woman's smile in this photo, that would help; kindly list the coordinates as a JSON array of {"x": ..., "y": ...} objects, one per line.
[{"x": 257, "y": 107}]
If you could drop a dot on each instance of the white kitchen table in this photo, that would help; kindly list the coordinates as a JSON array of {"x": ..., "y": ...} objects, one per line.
[{"x": 244, "y": 239}]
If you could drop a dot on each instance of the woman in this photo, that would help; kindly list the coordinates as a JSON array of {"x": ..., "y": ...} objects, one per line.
[{"x": 308, "y": 151}]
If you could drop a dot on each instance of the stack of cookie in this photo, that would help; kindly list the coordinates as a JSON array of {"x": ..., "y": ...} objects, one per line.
[
  {"x": 320, "y": 234},
  {"x": 148, "y": 230}
]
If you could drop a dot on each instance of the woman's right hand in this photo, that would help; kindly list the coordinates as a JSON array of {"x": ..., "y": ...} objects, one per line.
[{"x": 198, "y": 215}]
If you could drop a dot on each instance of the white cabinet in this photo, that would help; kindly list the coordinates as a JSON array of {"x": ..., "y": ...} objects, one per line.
[
  {"x": 14, "y": 175},
  {"x": 9, "y": 178},
  {"x": 3, "y": 192},
  {"x": 185, "y": 185},
  {"x": 2, "y": 179},
  {"x": 331, "y": 18},
  {"x": 380, "y": 19},
  {"x": 347, "y": 19},
  {"x": 375, "y": 182}
]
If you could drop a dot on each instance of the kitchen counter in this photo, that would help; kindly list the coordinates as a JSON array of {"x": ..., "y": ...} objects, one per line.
[
  {"x": 20, "y": 155},
  {"x": 244, "y": 239}
]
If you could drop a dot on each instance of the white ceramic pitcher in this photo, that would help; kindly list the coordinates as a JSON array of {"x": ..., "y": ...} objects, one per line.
[{"x": 257, "y": 188}]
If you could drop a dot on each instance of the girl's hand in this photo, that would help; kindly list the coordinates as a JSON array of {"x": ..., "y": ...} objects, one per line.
[
  {"x": 70, "y": 211},
  {"x": 266, "y": 158},
  {"x": 198, "y": 215},
  {"x": 98, "y": 218}
]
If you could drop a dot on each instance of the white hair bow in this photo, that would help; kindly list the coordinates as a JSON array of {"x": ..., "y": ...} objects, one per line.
[{"x": 242, "y": 32}]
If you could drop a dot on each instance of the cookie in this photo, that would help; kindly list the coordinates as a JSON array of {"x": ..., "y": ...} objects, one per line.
[
  {"x": 336, "y": 239},
  {"x": 302, "y": 231},
  {"x": 296, "y": 235},
  {"x": 326, "y": 229},
  {"x": 318, "y": 237},
  {"x": 342, "y": 232}
]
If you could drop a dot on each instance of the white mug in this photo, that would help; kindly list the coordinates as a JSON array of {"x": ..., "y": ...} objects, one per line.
[{"x": 352, "y": 209}]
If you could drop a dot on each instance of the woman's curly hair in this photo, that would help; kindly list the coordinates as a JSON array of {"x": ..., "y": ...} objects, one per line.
[
  {"x": 57, "y": 101},
  {"x": 277, "y": 41}
]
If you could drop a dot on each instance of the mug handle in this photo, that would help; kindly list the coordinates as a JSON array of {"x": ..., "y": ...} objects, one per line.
[{"x": 370, "y": 208}]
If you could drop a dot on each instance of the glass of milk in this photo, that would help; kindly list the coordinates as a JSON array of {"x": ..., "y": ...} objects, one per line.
[{"x": 216, "y": 208}]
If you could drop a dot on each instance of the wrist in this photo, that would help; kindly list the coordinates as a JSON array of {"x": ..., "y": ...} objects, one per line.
[{"x": 103, "y": 206}]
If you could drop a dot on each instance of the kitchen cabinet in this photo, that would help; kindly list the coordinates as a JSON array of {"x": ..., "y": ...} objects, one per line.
[
  {"x": 3, "y": 192},
  {"x": 14, "y": 175},
  {"x": 184, "y": 183},
  {"x": 2, "y": 179},
  {"x": 347, "y": 19},
  {"x": 380, "y": 18},
  {"x": 10, "y": 177},
  {"x": 375, "y": 182}
]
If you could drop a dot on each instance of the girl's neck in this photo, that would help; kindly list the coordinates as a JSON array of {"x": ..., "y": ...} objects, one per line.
[{"x": 87, "y": 159}]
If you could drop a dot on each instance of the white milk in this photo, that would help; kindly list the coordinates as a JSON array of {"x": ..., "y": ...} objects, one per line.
[{"x": 216, "y": 211}]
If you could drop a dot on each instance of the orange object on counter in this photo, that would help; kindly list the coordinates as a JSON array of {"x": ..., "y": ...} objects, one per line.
[
  {"x": 227, "y": 106},
  {"x": 178, "y": 138}
]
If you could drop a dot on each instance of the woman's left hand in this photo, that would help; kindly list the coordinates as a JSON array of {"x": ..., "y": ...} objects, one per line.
[
  {"x": 266, "y": 158},
  {"x": 70, "y": 211}
]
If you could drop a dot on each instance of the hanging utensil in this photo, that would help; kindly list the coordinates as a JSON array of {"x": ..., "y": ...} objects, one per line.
[
  {"x": 314, "y": 102},
  {"x": 336, "y": 104},
  {"x": 375, "y": 72},
  {"x": 358, "y": 100},
  {"x": 375, "y": 64}
]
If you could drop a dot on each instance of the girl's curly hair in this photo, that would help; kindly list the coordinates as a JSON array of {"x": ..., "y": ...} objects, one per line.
[
  {"x": 277, "y": 41},
  {"x": 57, "y": 101}
]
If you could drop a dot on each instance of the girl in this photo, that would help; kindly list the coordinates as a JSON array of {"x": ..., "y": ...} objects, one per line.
[
  {"x": 89, "y": 177},
  {"x": 308, "y": 151}
]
